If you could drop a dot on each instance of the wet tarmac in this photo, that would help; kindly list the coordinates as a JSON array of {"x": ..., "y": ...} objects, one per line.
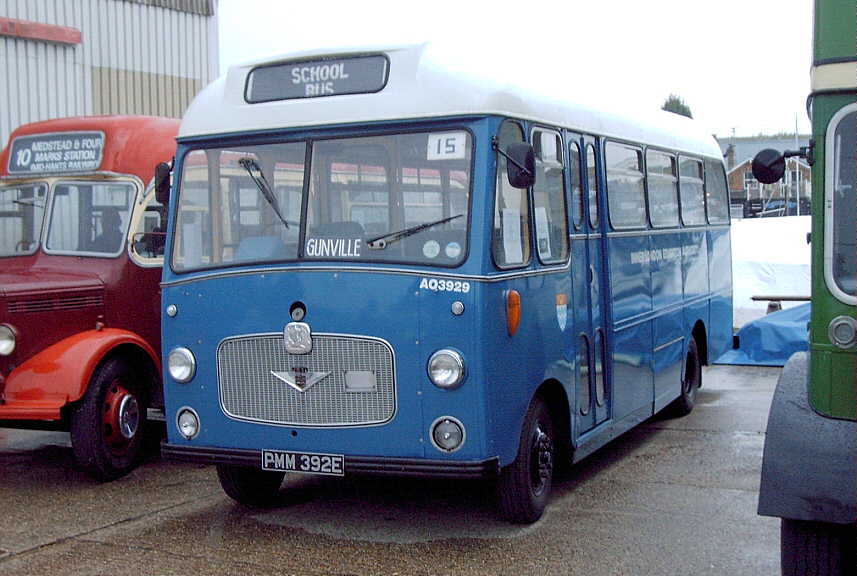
[{"x": 674, "y": 496}]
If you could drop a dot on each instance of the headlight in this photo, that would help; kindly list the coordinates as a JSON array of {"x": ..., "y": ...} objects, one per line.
[
  {"x": 447, "y": 434},
  {"x": 446, "y": 369},
  {"x": 187, "y": 422},
  {"x": 7, "y": 340},
  {"x": 181, "y": 364}
]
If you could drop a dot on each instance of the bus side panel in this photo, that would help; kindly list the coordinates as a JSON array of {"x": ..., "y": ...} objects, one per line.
[
  {"x": 695, "y": 273},
  {"x": 668, "y": 327},
  {"x": 515, "y": 366},
  {"x": 631, "y": 293},
  {"x": 809, "y": 468},
  {"x": 720, "y": 278}
]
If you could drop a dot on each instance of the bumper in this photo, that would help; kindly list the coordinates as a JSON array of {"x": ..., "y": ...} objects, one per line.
[{"x": 408, "y": 467}]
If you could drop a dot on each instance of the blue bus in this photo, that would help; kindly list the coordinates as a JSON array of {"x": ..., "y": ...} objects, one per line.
[{"x": 381, "y": 264}]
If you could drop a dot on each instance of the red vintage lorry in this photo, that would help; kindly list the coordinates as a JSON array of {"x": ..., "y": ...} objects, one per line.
[{"x": 81, "y": 249}]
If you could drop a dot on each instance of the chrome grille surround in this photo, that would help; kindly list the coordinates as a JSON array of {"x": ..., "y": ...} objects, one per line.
[{"x": 248, "y": 390}]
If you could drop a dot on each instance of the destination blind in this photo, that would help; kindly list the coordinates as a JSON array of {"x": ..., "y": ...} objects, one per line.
[
  {"x": 311, "y": 79},
  {"x": 63, "y": 152}
]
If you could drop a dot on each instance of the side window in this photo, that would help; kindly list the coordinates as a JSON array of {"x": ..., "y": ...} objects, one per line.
[
  {"x": 716, "y": 199},
  {"x": 599, "y": 351},
  {"x": 690, "y": 191},
  {"x": 592, "y": 183},
  {"x": 511, "y": 240},
  {"x": 148, "y": 231},
  {"x": 661, "y": 174},
  {"x": 551, "y": 219},
  {"x": 625, "y": 186},
  {"x": 584, "y": 382},
  {"x": 576, "y": 185}
]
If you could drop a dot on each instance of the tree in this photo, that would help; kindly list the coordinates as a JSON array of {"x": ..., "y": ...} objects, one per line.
[{"x": 676, "y": 105}]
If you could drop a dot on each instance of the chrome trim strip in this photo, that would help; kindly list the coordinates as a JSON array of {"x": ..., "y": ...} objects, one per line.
[
  {"x": 638, "y": 319},
  {"x": 663, "y": 231},
  {"x": 325, "y": 426},
  {"x": 668, "y": 344},
  {"x": 357, "y": 269}
]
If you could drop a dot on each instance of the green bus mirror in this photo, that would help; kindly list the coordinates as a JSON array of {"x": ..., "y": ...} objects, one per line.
[{"x": 769, "y": 166}]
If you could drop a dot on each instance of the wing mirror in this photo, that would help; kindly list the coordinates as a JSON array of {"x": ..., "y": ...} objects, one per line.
[
  {"x": 521, "y": 165},
  {"x": 162, "y": 183},
  {"x": 769, "y": 166}
]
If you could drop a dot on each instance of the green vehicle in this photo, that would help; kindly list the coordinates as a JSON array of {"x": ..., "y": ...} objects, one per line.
[{"x": 809, "y": 473}]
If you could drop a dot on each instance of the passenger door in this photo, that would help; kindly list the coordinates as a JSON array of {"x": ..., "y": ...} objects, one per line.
[{"x": 592, "y": 397}]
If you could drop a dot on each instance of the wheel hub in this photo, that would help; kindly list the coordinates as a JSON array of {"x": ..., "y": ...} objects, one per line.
[
  {"x": 542, "y": 460},
  {"x": 121, "y": 418}
]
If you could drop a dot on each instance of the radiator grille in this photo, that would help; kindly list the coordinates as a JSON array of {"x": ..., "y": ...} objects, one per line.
[
  {"x": 55, "y": 303},
  {"x": 249, "y": 391}
]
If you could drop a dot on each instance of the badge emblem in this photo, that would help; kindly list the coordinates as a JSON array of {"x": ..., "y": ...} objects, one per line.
[
  {"x": 562, "y": 310},
  {"x": 298, "y": 338},
  {"x": 300, "y": 378}
]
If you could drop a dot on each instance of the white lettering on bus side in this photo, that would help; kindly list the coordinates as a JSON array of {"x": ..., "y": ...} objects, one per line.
[{"x": 333, "y": 247}]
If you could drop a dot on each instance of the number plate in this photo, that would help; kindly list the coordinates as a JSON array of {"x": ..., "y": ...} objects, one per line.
[{"x": 304, "y": 463}]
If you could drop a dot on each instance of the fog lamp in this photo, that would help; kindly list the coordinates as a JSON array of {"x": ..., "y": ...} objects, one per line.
[
  {"x": 181, "y": 365},
  {"x": 188, "y": 423},
  {"x": 446, "y": 369},
  {"x": 7, "y": 340},
  {"x": 447, "y": 434}
]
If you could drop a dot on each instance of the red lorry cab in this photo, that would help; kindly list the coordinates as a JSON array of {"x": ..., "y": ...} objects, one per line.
[{"x": 81, "y": 249}]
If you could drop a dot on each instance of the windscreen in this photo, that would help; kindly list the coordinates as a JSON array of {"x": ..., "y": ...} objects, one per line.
[
  {"x": 89, "y": 218},
  {"x": 390, "y": 198},
  {"x": 22, "y": 208}
]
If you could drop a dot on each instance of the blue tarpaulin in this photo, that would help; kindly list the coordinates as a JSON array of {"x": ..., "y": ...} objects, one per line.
[{"x": 769, "y": 341}]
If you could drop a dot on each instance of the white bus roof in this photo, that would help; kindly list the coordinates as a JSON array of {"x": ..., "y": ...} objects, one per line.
[{"x": 423, "y": 83}]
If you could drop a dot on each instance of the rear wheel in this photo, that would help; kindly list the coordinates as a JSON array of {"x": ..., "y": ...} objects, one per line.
[
  {"x": 251, "y": 487},
  {"x": 817, "y": 549},
  {"x": 524, "y": 486},
  {"x": 683, "y": 405},
  {"x": 107, "y": 424}
]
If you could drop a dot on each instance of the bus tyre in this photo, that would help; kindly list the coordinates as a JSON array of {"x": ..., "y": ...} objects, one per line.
[
  {"x": 683, "y": 405},
  {"x": 817, "y": 548},
  {"x": 108, "y": 423},
  {"x": 250, "y": 487},
  {"x": 524, "y": 486}
]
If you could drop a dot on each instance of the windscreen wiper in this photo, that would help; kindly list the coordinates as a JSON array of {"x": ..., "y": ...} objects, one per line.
[
  {"x": 28, "y": 203},
  {"x": 381, "y": 242},
  {"x": 261, "y": 183}
]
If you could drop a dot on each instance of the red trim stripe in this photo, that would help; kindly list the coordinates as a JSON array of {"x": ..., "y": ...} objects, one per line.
[{"x": 39, "y": 31}]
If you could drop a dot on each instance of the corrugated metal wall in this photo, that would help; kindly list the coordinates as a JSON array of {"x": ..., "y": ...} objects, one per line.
[{"x": 136, "y": 57}]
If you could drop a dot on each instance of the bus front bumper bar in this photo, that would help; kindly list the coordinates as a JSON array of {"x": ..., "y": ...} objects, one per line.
[{"x": 368, "y": 465}]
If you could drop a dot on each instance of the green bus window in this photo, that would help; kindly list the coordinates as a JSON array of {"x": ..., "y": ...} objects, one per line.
[
  {"x": 690, "y": 187},
  {"x": 716, "y": 199},
  {"x": 625, "y": 187},
  {"x": 551, "y": 221},
  {"x": 844, "y": 205},
  {"x": 511, "y": 240},
  {"x": 663, "y": 189}
]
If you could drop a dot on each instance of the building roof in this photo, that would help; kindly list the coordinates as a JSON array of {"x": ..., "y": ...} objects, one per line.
[
  {"x": 201, "y": 7},
  {"x": 426, "y": 83}
]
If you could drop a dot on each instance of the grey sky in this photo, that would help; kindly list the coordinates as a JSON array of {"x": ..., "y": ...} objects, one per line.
[{"x": 738, "y": 64}]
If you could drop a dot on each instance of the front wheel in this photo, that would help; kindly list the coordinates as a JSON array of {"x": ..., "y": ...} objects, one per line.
[
  {"x": 107, "y": 424},
  {"x": 524, "y": 486},
  {"x": 251, "y": 487},
  {"x": 817, "y": 549}
]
